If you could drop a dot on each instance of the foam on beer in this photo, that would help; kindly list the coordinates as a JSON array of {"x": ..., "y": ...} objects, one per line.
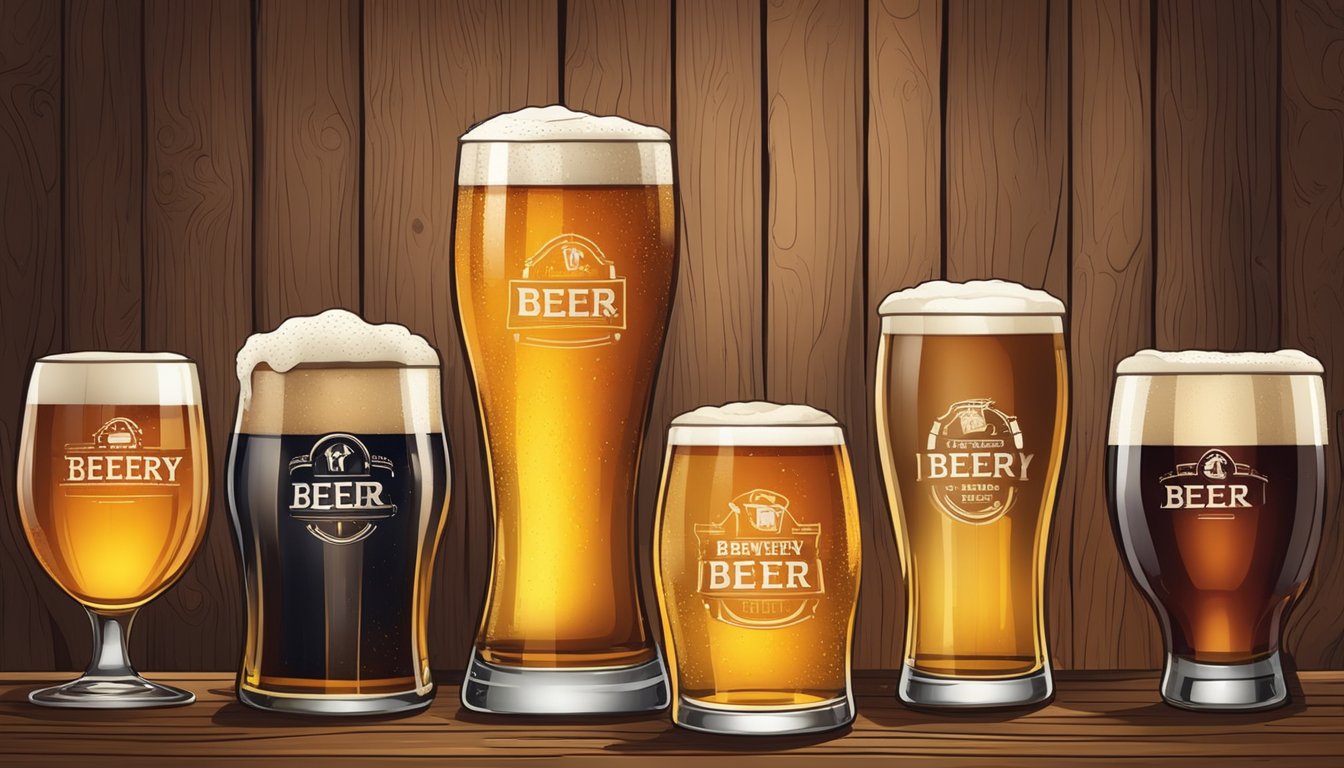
[
  {"x": 755, "y": 423},
  {"x": 334, "y": 371},
  {"x": 974, "y": 307},
  {"x": 556, "y": 146},
  {"x": 114, "y": 378},
  {"x": 1198, "y": 397}
]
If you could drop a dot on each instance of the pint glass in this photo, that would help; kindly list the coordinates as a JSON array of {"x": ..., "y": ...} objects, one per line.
[
  {"x": 564, "y": 263},
  {"x": 113, "y": 487},
  {"x": 972, "y": 395},
  {"x": 338, "y": 484},
  {"x": 1216, "y": 477},
  {"x": 757, "y": 563}
]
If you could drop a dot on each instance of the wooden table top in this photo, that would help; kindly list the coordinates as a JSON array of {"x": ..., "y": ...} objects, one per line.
[{"x": 1112, "y": 718}]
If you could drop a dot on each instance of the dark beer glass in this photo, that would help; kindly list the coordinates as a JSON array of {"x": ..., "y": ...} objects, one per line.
[
  {"x": 338, "y": 483},
  {"x": 1216, "y": 478}
]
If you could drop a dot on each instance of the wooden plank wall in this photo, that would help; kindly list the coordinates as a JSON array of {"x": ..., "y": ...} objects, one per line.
[{"x": 180, "y": 175}]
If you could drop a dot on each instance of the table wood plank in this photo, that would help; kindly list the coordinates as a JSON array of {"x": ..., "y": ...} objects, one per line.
[{"x": 1115, "y": 716}]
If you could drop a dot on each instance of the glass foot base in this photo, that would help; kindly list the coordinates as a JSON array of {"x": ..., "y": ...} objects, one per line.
[
  {"x": 1229, "y": 687},
  {"x": 531, "y": 691},
  {"x": 763, "y": 721},
  {"x": 920, "y": 689},
  {"x": 130, "y": 692},
  {"x": 297, "y": 704}
]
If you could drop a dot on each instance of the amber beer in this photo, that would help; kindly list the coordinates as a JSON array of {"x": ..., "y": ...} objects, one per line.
[
  {"x": 972, "y": 395},
  {"x": 338, "y": 484},
  {"x": 757, "y": 563},
  {"x": 112, "y": 485},
  {"x": 564, "y": 264},
  {"x": 1216, "y": 478}
]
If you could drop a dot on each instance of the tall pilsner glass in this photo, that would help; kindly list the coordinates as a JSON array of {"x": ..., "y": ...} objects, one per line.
[
  {"x": 972, "y": 396},
  {"x": 113, "y": 485},
  {"x": 564, "y": 266}
]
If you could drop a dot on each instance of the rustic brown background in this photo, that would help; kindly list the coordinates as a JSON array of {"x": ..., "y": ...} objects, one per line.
[{"x": 176, "y": 175}]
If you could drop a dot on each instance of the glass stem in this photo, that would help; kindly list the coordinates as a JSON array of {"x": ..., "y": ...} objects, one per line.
[{"x": 110, "y": 630}]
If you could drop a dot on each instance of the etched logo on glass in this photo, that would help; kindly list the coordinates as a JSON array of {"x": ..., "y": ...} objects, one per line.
[
  {"x": 338, "y": 489},
  {"x": 760, "y": 567},
  {"x": 974, "y": 461},
  {"x": 570, "y": 287},
  {"x": 1217, "y": 485}
]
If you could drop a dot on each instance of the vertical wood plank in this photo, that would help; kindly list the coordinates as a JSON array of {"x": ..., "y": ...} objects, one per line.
[
  {"x": 1216, "y": 186},
  {"x": 816, "y": 310},
  {"x": 618, "y": 61},
  {"x": 104, "y": 184},
  {"x": 1312, "y": 248},
  {"x": 1006, "y": 131},
  {"x": 42, "y": 625},
  {"x": 431, "y": 70},
  {"x": 1007, "y": 136},
  {"x": 904, "y": 203},
  {"x": 198, "y": 295},
  {"x": 1111, "y": 625},
  {"x": 308, "y": 158}
]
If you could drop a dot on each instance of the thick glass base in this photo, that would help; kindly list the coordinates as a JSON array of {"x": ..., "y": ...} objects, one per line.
[
  {"x": 763, "y": 721},
  {"x": 298, "y": 704},
  {"x": 531, "y": 691},
  {"x": 122, "y": 692},
  {"x": 920, "y": 689},
  {"x": 1227, "y": 687}
]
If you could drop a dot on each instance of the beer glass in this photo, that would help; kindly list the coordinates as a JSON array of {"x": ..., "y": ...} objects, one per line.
[
  {"x": 972, "y": 395},
  {"x": 564, "y": 264},
  {"x": 113, "y": 483},
  {"x": 338, "y": 485},
  {"x": 1215, "y": 472},
  {"x": 757, "y": 564}
]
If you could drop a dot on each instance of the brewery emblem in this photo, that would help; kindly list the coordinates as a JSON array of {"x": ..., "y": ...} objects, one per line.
[
  {"x": 569, "y": 296},
  {"x": 116, "y": 454},
  {"x": 1217, "y": 484},
  {"x": 337, "y": 489},
  {"x": 760, "y": 568},
  {"x": 974, "y": 461}
]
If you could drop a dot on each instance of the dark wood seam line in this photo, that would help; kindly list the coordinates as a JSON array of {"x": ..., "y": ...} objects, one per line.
[
  {"x": 1153, "y": 42},
  {"x": 63, "y": 182},
  {"x": 765, "y": 200},
  {"x": 944, "y": 56},
  {"x": 361, "y": 248},
  {"x": 561, "y": 24},
  {"x": 144, "y": 183},
  {"x": 256, "y": 156}
]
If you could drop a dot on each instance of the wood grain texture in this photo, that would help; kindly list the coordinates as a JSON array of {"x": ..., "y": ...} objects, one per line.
[
  {"x": 1112, "y": 626},
  {"x": 1006, "y": 129},
  {"x": 432, "y": 70},
  {"x": 1007, "y": 136},
  {"x": 1110, "y": 719},
  {"x": 1312, "y": 248},
  {"x": 198, "y": 286},
  {"x": 41, "y": 626},
  {"x": 618, "y": 61},
  {"x": 104, "y": 165},
  {"x": 1217, "y": 260},
  {"x": 904, "y": 201},
  {"x": 308, "y": 158},
  {"x": 816, "y": 305}
]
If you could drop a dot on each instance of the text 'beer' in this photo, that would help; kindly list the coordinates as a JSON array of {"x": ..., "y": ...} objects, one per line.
[
  {"x": 339, "y": 482},
  {"x": 971, "y": 415},
  {"x": 113, "y": 483},
  {"x": 1216, "y": 476},
  {"x": 757, "y": 562},
  {"x": 564, "y": 262}
]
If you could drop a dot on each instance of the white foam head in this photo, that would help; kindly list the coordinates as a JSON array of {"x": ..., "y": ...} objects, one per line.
[
  {"x": 556, "y": 146},
  {"x": 334, "y": 338},
  {"x": 114, "y": 378},
  {"x": 755, "y": 423},
  {"x": 1153, "y": 361},
  {"x": 1196, "y": 397},
  {"x": 973, "y": 307}
]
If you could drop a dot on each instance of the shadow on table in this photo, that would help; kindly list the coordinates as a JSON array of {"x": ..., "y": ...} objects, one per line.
[
  {"x": 1160, "y": 713},
  {"x": 673, "y": 740},
  {"x": 464, "y": 715},
  {"x": 237, "y": 715}
]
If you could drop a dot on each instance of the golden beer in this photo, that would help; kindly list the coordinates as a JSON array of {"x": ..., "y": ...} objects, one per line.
[
  {"x": 972, "y": 396},
  {"x": 564, "y": 264},
  {"x": 113, "y": 485},
  {"x": 757, "y": 562}
]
